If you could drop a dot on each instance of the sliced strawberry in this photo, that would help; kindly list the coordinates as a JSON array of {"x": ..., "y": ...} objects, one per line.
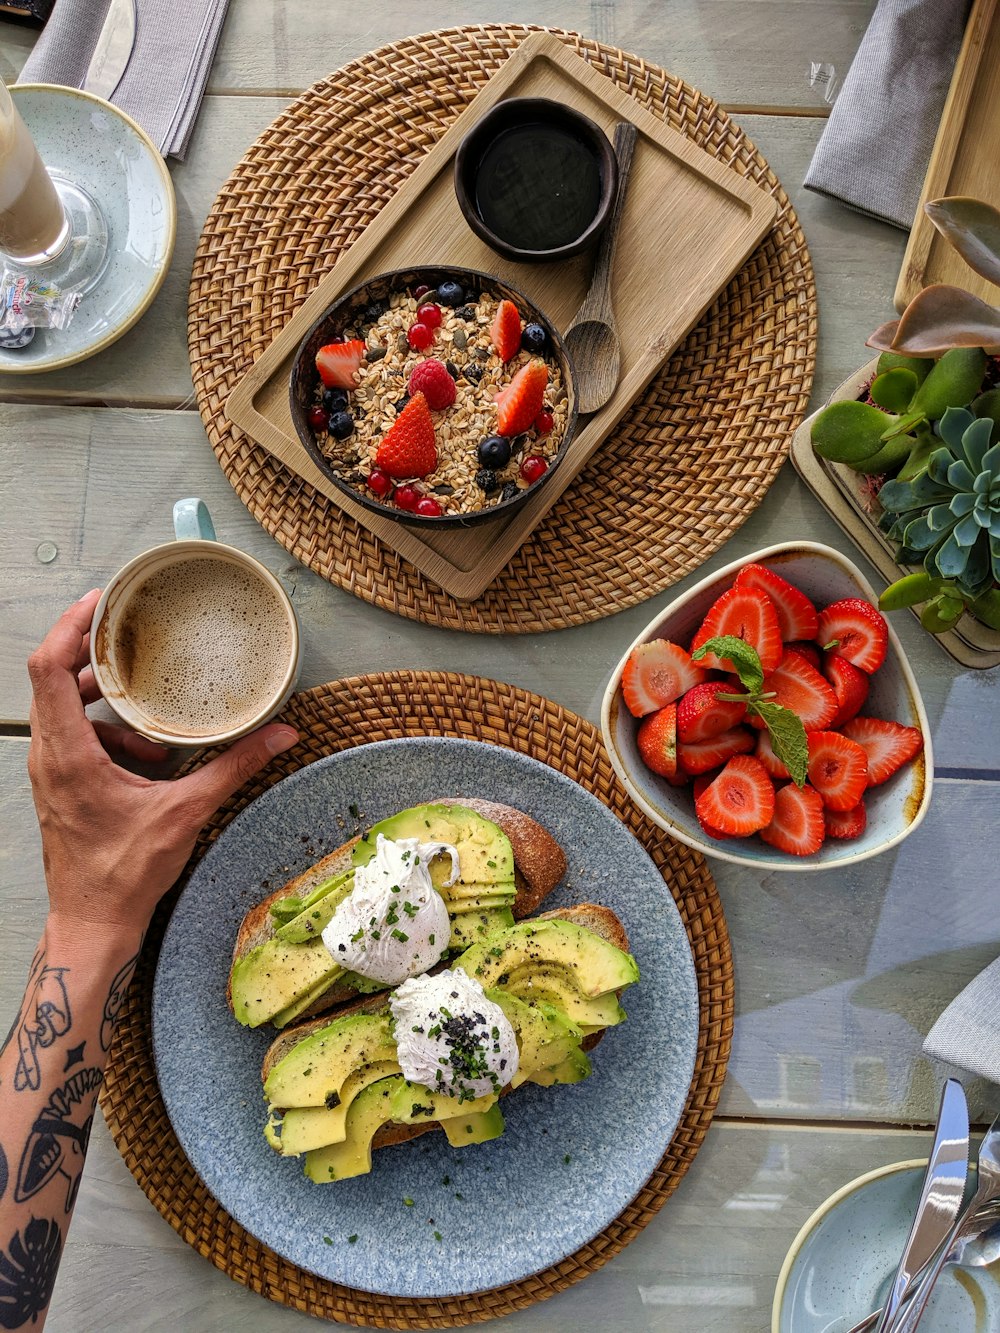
[
  {"x": 700, "y": 756},
  {"x": 807, "y": 650},
  {"x": 797, "y": 825},
  {"x": 656, "y": 674},
  {"x": 747, "y": 614},
  {"x": 798, "y": 687},
  {"x": 505, "y": 331},
  {"x": 740, "y": 800},
  {"x": 700, "y": 783},
  {"x": 765, "y": 753},
  {"x": 838, "y": 769},
  {"x": 337, "y": 363},
  {"x": 408, "y": 448},
  {"x": 701, "y": 714},
  {"x": 797, "y": 616},
  {"x": 524, "y": 397},
  {"x": 888, "y": 745},
  {"x": 657, "y": 741},
  {"x": 847, "y": 823},
  {"x": 850, "y": 685},
  {"x": 856, "y": 631}
]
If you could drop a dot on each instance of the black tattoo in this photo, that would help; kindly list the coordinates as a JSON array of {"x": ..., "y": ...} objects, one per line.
[
  {"x": 115, "y": 1000},
  {"x": 3, "y": 1172},
  {"x": 28, "y": 1270},
  {"x": 59, "y": 1136},
  {"x": 43, "y": 1017},
  {"x": 74, "y": 1056}
]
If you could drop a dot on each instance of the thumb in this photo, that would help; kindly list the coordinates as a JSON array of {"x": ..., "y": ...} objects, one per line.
[{"x": 204, "y": 791}]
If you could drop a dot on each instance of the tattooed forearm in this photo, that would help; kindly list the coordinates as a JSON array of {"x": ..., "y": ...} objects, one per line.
[
  {"x": 28, "y": 1267},
  {"x": 59, "y": 1137},
  {"x": 44, "y": 1017},
  {"x": 115, "y": 1000}
]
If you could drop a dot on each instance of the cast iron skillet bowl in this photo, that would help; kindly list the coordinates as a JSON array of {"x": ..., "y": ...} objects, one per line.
[{"x": 331, "y": 325}]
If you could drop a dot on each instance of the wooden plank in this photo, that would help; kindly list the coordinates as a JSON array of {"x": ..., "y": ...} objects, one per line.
[
  {"x": 678, "y": 194},
  {"x": 963, "y": 161},
  {"x": 742, "y": 52}
]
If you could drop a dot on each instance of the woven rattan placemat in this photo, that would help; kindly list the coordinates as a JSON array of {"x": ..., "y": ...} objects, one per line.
[
  {"x": 688, "y": 463},
  {"x": 383, "y": 707}
]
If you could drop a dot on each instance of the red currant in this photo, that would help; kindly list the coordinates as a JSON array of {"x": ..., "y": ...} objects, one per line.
[
  {"x": 318, "y": 418},
  {"x": 544, "y": 422},
  {"x": 420, "y": 337},
  {"x": 408, "y": 497},
  {"x": 429, "y": 315},
  {"x": 420, "y": 291},
  {"x": 429, "y": 507},
  {"x": 533, "y": 467},
  {"x": 379, "y": 482}
]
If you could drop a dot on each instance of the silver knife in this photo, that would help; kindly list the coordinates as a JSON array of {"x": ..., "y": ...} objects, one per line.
[
  {"x": 940, "y": 1196},
  {"x": 113, "y": 49}
]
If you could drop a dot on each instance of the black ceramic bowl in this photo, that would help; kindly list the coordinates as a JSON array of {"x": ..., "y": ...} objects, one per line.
[
  {"x": 536, "y": 180},
  {"x": 343, "y": 313}
]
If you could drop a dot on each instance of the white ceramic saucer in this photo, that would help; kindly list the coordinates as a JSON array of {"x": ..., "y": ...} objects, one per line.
[
  {"x": 90, "y": 141},
  {"x": 841, "y": 1262}
]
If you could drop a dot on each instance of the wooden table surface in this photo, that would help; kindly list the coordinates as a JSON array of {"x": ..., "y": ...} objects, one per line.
[{"x": 838, "y": 975}]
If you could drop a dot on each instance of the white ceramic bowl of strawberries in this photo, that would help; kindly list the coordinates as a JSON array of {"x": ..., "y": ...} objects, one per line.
[{"x": 865, "y": 773}]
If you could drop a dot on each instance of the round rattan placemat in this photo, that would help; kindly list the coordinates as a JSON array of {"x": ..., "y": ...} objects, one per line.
[
  {"x": 687, "y": 464},
  {"x": 382, "y": 707}
]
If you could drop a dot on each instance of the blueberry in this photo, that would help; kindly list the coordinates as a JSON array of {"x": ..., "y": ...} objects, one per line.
[
  {"x": 535, "y": 340},
  {"x": 487, "y": 480},
  {"x": 510, "y": 492},
  {"x": 494, "y": 452},
  {"x": 450, "y": 293},
  {"x": 335, "y": 400},
  {"x": 341, "y": 425}
]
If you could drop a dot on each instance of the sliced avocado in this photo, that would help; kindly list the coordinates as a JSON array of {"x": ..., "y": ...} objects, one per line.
[
  {"x": 476, "y": 1127},
  {"x": 276, "y": 974},
  {"x": 468, "y": 928},
  {"x": 316, "y": 1068},
  {"x": 484, "y": 850},
  {"x": 306, "y": 1127},
  {"x": 556, "y": 985},
  {"x": 545, "y": 1036},
  {"x": 317, "y": 913},
  {"x": 287, "y": 909},
  {"x": 413, "y": 1104},
  {"x": 480, "y": 902},
  {"x": 574, "y": 1069},
  {"x": 597, "y": 966},
  {"x": 353, "y": 1157},
  {"x": 299, "y": 1006}
]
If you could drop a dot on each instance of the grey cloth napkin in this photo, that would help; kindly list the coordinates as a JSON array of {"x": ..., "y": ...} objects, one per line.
[
  {"x": 162, "y": 87},
  {"x": 967, "y": 1034},
  {"x": 874, "y": 151}
]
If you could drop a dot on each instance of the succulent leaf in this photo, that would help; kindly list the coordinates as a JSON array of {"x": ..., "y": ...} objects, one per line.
[
  {"x": 953, "y": 425},
  {"x": 986, "y": 608},
  {"x": 941, "y": 317},
  {"x": 967, "y": 530},
  {"x": 960, "y": 475},
  {"x": 954, "y": 381},
  {"x": 995, "y": 558},
  {"x": 909, "y": 590},
  {"x": 920, "y": 366},
  {"x": 918, "y": 535},
  {"x": 994, "y": 525},
  {"x": 976, "y": 443},
  {"x": 937, "y": 466},
  {"x": 962, "y": 504},
  {"x": 893, "y": 389},
  {"x": 940, "y": 518},
  {"x": 988, "y": 405},
  {"x": 848, "y": 432},
  {"x": 991, "y": 462},
  {"x": 973, "y": 228},
  {"x": 951, "y": 558},
  {"x": 883, "y": 336}
]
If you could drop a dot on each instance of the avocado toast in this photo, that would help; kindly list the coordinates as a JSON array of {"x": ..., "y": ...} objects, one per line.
[{"x": 281, "y": 970}]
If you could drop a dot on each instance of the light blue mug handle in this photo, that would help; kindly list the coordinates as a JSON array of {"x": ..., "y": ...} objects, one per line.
[{"x": 193, "y": 522}]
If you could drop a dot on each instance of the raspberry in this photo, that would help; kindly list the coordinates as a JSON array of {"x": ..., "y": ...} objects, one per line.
[
  {"x": 420, "y": 337},
  {"x": 431, "y": 378}
]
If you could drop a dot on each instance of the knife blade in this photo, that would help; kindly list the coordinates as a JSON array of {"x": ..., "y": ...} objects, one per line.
[
  {"x": 940, "y": 1196},
  {"x": 113, "y": 49}
]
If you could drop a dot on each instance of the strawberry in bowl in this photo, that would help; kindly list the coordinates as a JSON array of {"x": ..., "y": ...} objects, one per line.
[{"x": 769, "y": 717}]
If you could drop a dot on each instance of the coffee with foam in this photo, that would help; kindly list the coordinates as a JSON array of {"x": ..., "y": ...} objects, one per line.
[{"x": 202, "y": 646}]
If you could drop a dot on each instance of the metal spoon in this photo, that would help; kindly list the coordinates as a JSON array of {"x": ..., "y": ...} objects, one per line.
[{"x": 592, "y": 339}]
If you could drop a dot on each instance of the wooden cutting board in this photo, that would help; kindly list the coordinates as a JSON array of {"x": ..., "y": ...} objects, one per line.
[{"x": 689, "y": 224}]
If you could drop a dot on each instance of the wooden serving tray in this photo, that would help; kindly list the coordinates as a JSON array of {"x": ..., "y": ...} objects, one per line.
[
  {"x": 964, "y": 160},
  {"x": 689, "y": 224}
]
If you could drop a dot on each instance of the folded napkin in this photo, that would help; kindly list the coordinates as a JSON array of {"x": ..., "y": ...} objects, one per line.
[
  {"x": 874, "y": 151},
  {"x": 967, "y": 1034},
  {"x": 162, "y": 87}
]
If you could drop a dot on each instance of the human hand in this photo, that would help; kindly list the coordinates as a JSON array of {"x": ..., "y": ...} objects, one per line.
[{"x": 113, "y": 842}]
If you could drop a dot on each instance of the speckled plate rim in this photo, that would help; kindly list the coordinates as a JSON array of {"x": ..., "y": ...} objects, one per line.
[
  {"x": 670, "y": 1095},
  {"x": 159, "y": 274},
  {"x": 799, "y": 864},
  {"x": 814, "y": 1219}
]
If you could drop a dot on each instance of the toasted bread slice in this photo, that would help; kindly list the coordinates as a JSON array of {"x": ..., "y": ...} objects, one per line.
[
  {"x": 539, "y": 865},
  {"x": 601, "y": 920}
]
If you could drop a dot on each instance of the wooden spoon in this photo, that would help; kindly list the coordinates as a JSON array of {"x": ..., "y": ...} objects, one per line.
[{"x": 592, "y": 338}]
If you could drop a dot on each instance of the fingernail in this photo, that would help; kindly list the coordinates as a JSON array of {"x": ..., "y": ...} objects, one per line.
[
  {"x": 280, "y": 740},
  {"x": 89, "y": 594}
]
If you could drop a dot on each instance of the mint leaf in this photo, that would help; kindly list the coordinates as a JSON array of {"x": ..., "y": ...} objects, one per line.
[
  {"x": 788, "y": 738},
  {"x": 744, "y": 658}
]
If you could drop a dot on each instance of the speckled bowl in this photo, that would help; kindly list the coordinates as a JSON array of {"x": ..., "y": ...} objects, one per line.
[
  {"x": 895, "y": 808},
  {"x": 840, "y": 1265}
]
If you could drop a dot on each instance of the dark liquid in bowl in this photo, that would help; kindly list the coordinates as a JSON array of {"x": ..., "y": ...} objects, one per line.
[{"x": 538, "y": 187}]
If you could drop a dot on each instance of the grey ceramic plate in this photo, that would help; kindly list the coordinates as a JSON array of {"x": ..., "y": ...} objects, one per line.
[{"x": 522, "y": 1204}]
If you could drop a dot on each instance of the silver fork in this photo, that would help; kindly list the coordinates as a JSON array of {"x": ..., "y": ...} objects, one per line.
[{"x": 980, "y": 1214}]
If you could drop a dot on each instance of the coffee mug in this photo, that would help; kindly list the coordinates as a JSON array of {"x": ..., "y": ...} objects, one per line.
[{"x": 194, "y": 642}]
